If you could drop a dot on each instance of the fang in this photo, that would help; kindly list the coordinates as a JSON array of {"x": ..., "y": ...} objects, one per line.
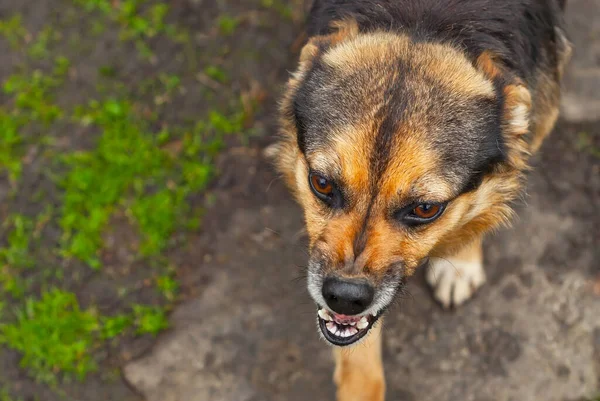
[{"x": 324, "y": 315}]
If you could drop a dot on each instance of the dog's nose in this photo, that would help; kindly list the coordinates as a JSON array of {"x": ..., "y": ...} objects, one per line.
[{"x": 347, "y": 296}]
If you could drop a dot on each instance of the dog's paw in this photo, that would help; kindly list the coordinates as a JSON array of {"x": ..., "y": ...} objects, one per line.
[{"x": 454, "y": 281}]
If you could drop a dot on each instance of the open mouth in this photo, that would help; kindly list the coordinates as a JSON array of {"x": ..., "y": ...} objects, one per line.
[{"x": 344, "y": 330}]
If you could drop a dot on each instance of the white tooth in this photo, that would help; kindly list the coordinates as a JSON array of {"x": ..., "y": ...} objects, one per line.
[
  {"x": 352, "y": 323},
  {"x": 324, "y": 315},
  {"x": 374, "y": 314},
  {"x": 331, "y": 327},
  {"x": 362, "y": 323},
  {"x": 352, "y": 331}
]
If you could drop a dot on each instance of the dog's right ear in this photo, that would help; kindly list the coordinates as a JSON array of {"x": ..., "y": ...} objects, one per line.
[{"x": 517, "y": 109}]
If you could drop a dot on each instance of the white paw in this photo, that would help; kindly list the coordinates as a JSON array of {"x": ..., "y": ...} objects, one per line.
[{"x": 454, "y": 281}]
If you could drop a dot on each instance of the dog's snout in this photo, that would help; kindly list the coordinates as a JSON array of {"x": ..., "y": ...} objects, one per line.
[{"x": 347, "y": 296}]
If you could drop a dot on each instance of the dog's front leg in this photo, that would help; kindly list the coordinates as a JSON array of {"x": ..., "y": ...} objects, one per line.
[{"x": 359, "y": 370}]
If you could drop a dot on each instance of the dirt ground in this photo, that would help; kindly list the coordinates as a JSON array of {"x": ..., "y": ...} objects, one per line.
[
  {"x": 230, "y": 62},
  {"x": 243, "y": 326}
]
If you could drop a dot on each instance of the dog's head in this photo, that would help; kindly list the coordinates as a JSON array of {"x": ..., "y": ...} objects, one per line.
[{"x": 397, "y": 151}]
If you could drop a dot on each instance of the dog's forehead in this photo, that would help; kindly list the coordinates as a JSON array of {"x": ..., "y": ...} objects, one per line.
[
  {"x": 376, "y": 61},
  {"x": 381, "y": 107}
]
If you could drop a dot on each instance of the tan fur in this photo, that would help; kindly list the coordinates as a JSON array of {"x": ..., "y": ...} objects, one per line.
[
  {"x": 471, "y": 252},
  {"x": 359, "y": 369},
  {"x": 547, "y": 94},
  {"x": 438, "y": 61},
  {"x": 488, "y": 65}
]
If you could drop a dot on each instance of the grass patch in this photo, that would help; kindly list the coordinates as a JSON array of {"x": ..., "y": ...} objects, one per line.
[
  {"x": 32, "y": 102},
  {"x": 12, "y": 29},
  {"x": 39, "y": 49},
  {"x": 585, "y": 143},
  {"x": 216, "y": 73},
  {"x": 57, "y": 338},
  {"x": 138, "y": 21},
  {"x": 147, "y": 174},
  {"x": 281, "y": 7},
  {"x": 53, "y": 335},
  {"x": 114, "y": 326},
  {"x": 5, "y": 395},
  {"x": 149, "y": 319},
  {"x": 15, "y": 255},
  {"x": 32, "y": 94},
  {"x": 11, "y": 144},
  {"x": 167, "y": 285},
  {"x": 227, "y": 24}
]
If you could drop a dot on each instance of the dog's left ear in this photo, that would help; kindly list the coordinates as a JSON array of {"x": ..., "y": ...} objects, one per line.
[
  {"x": 341, "y": 31},
  {"x": 516, "y": 109}
]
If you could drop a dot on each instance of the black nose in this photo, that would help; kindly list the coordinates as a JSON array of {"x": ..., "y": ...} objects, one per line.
[{"x": 346, "y": 296}]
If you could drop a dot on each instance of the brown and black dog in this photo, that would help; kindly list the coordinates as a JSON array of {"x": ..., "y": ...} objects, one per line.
[{"x": 406, "y": 133}]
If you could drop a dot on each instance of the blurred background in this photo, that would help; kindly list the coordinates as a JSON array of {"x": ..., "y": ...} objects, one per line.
[{"x": 148, "y": 252}]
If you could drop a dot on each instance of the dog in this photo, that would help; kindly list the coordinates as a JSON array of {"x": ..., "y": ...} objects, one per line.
[{"x": 406, "y": 133}]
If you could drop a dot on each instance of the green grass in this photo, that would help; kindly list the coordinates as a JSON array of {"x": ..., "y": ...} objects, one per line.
[
  {"x": 114, "y": 326},
  {"x": 131, "y": 169},
  {"x": 134, "y": 167},
  {"x": 216, "y": 73},
  {"x": 280, "y": 6},
  {"x": 15, "y": 255},
  {"x": 13, "y": 30},
  {"x": 32, "y": 94},
  {"x": 11, "y": 144},
  {"x": 167, "y": 285},
  {"x": 53, "y": 335},
  {"x": 227, "y": 25},
  {"x": 149, "y": 319},
  {"x": 137, "y": 20},
  {"x": 5, "y": 395},
  {"x": 32, "y": 102},
  {"x": 585, "y": 143},
  {"x": 39, "y": 49}
]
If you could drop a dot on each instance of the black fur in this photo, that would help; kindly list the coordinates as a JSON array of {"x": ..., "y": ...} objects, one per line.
[{"x": 520, "y": 32}]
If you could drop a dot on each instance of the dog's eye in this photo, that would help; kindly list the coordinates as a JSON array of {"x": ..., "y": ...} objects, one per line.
[
  {"x": 420, "y": 213},
  {"x": 426, "y": 210},
  {"x": 321, "y": 186}
]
